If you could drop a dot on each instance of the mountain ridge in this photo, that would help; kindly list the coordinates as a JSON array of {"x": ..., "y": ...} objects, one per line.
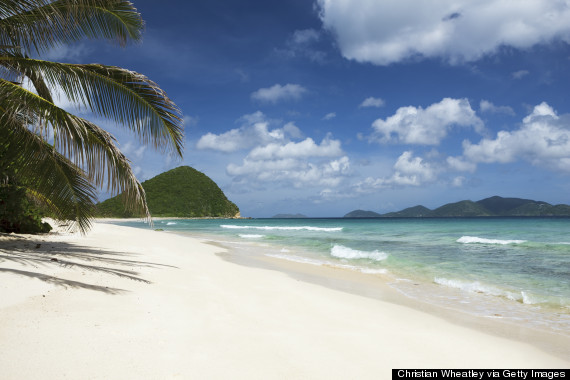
[{"x": 494, "y": 206}]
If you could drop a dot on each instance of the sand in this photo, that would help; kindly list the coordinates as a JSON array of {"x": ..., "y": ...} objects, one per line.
[{"x": 125, "y": 303}]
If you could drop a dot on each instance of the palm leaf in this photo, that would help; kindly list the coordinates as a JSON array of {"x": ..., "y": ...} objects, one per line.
[
  {"x": 50, "y": 178},
  {"x": 86, "y": 144},
  {"x": 38, "y": 25},
  {"x": 124, "y": 96}
]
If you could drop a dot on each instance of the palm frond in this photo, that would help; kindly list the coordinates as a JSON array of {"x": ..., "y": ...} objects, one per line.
[
  {"x": 38, "y": 25},
  {"x": 49, "y": 177},
  {"x": 124, "y": 96},
  {"x": 83, "y": 142}
]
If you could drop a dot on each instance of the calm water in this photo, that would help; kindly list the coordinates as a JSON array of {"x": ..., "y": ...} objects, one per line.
[{"x": 513, "y": 268}]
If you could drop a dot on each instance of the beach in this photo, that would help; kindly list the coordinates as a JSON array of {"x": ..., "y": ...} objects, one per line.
[{"x": 128, "y": 303}]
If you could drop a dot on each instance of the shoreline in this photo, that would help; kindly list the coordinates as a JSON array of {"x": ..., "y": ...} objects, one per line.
[
  {"x": 378, "y": 287},
  {"x": 158, "y": 305}
]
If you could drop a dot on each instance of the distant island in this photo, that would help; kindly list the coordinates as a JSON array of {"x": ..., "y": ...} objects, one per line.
[
  {"x": 183, "y": 192},
  {"x": 488, "y": 207},
  {"x": 289, "y": 216}
]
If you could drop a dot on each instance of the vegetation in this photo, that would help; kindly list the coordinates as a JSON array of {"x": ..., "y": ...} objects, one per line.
[
  {"x": 182, "y": 192},
  {"x": 362, "y": 214},
  {"x": 493, "y": 206},
  {"x": 51, "y": 157}
]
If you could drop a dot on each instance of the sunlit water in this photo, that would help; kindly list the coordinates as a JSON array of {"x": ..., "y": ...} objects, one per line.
[{"x": 517, "y": 269}]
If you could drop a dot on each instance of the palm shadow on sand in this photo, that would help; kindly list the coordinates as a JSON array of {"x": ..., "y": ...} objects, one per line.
[{"x": 32, "y": 252}]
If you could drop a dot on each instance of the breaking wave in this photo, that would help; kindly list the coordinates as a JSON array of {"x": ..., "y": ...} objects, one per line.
[
  {"x": 283, "y": 228},
  {"x": 478, "y": 240},
  {"x": 343, "y": 252},
  {"x": 250, "y": 236},
  {"x": 477, "y": 287}
]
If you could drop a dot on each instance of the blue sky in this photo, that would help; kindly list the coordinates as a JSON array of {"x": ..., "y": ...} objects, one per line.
[{"x": 326, "y": 106}]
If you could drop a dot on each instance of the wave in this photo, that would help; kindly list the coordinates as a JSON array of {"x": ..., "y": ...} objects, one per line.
[
  {"x": 307, "y": 260},
  {"x": 250, "y": 236},
  {"x": 478, "y": 240},
  {"x": 477, "y": 287},
  {"x": 170, "y": 223},
  {"x": 283, "y": 228},
  {"x": 343, "y": 252},
  {"x": 297, "y": 259}
]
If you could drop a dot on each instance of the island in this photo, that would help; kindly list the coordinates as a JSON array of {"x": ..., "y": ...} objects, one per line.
[
  {"x": 183, "y": 192},
  {"x": 489, "y": 207}
]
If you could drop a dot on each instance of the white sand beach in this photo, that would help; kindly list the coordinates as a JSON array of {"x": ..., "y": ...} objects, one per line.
[{"x": 126, "y": 303}]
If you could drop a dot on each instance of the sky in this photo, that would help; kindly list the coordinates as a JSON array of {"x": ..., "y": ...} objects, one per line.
[{"x": 322, "y": 107}]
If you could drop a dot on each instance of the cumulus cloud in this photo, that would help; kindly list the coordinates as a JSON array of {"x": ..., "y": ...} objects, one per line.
[
  {"x": 278, "y": 93},
  {"x": 279, "y": 155},
  {"x": 254, "y": 131},
  {"x": 372, "y": 102},
  {"x": 487, "y": 106},
  {"x": 300, "y": 164},
  {"x": 543, "y": 139},
  {"x": 303, "y": 149},
  {"x": 415, "y": 125},
  {"x": 408, "y": 171},
  {"x": 329, "y": 116},
  {"x": 385, "y": 32}
]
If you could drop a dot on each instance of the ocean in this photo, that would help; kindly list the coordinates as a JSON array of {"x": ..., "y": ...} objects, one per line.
[{"x": 516, "y": 269}]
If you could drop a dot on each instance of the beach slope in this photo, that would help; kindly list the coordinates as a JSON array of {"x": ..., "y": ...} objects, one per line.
[{"x": 126, "y": 303}]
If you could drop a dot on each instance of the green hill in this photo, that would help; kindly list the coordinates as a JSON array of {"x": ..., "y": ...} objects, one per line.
[
  {"x": 362, "y": 214},
  {"x": 411, "y": 212},
  {"x": 493, "y": 206},
  {"x": 182, "y": 192},
  {"x": 462, "y": 208}
]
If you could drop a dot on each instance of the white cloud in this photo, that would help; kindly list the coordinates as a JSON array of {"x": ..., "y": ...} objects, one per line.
[
  {"x": 460, "y": 165},
  {"x": 305, "y": 36},
  {"x": 304, "y": 43},
  {"x": 278, "y": 93},
  {"x": 411, "y": 125},
  {"x": 543, "y": 140},
  {"x": 520, "y": 74},
  {"x": 372, "y": 102},
  {"x": 276, "y": 156},
  {"x": 458, "y": 181},
  {"x": 487, "y": 106},
  {"x": 190, "y": 121},
  {"x": 302, "y": 164},
  {"x": 329, "y": 116},
  {"x": 292, "y": 130},
  {"x": 67, "y": 53},
  {"x": 408, "y": 171},
  {"x": 133, "y": 150},
  {"x": 384, "y": 32},
  {"x": 254, "y": 131},
  {"x": 304, "y": 149}
]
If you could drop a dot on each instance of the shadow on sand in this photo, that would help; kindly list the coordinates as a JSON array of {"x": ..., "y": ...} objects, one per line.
[{"x": 33, "y": 252}]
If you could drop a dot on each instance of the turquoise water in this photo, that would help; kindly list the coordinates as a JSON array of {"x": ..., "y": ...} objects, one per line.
[{"x": 512, "y": 268}]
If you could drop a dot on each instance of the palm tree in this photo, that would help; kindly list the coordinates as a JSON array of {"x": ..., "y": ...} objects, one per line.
[{"x": 58, "y": 157}]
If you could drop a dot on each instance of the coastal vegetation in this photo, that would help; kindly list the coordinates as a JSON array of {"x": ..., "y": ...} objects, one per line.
[
  {"x": 183, "y": 192},
  {"x": 493, "y": 206},
  {"x": 53, "y": 160}
]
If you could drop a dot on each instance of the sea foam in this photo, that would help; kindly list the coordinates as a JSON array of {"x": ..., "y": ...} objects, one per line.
[
  {"x": 477, "y": 287},
  {"x": 343, "y": 252},
  {"x": 478, "y": 240},
  {"x": 250, "y": 236},
  {"x": 283, "y": 228}
]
